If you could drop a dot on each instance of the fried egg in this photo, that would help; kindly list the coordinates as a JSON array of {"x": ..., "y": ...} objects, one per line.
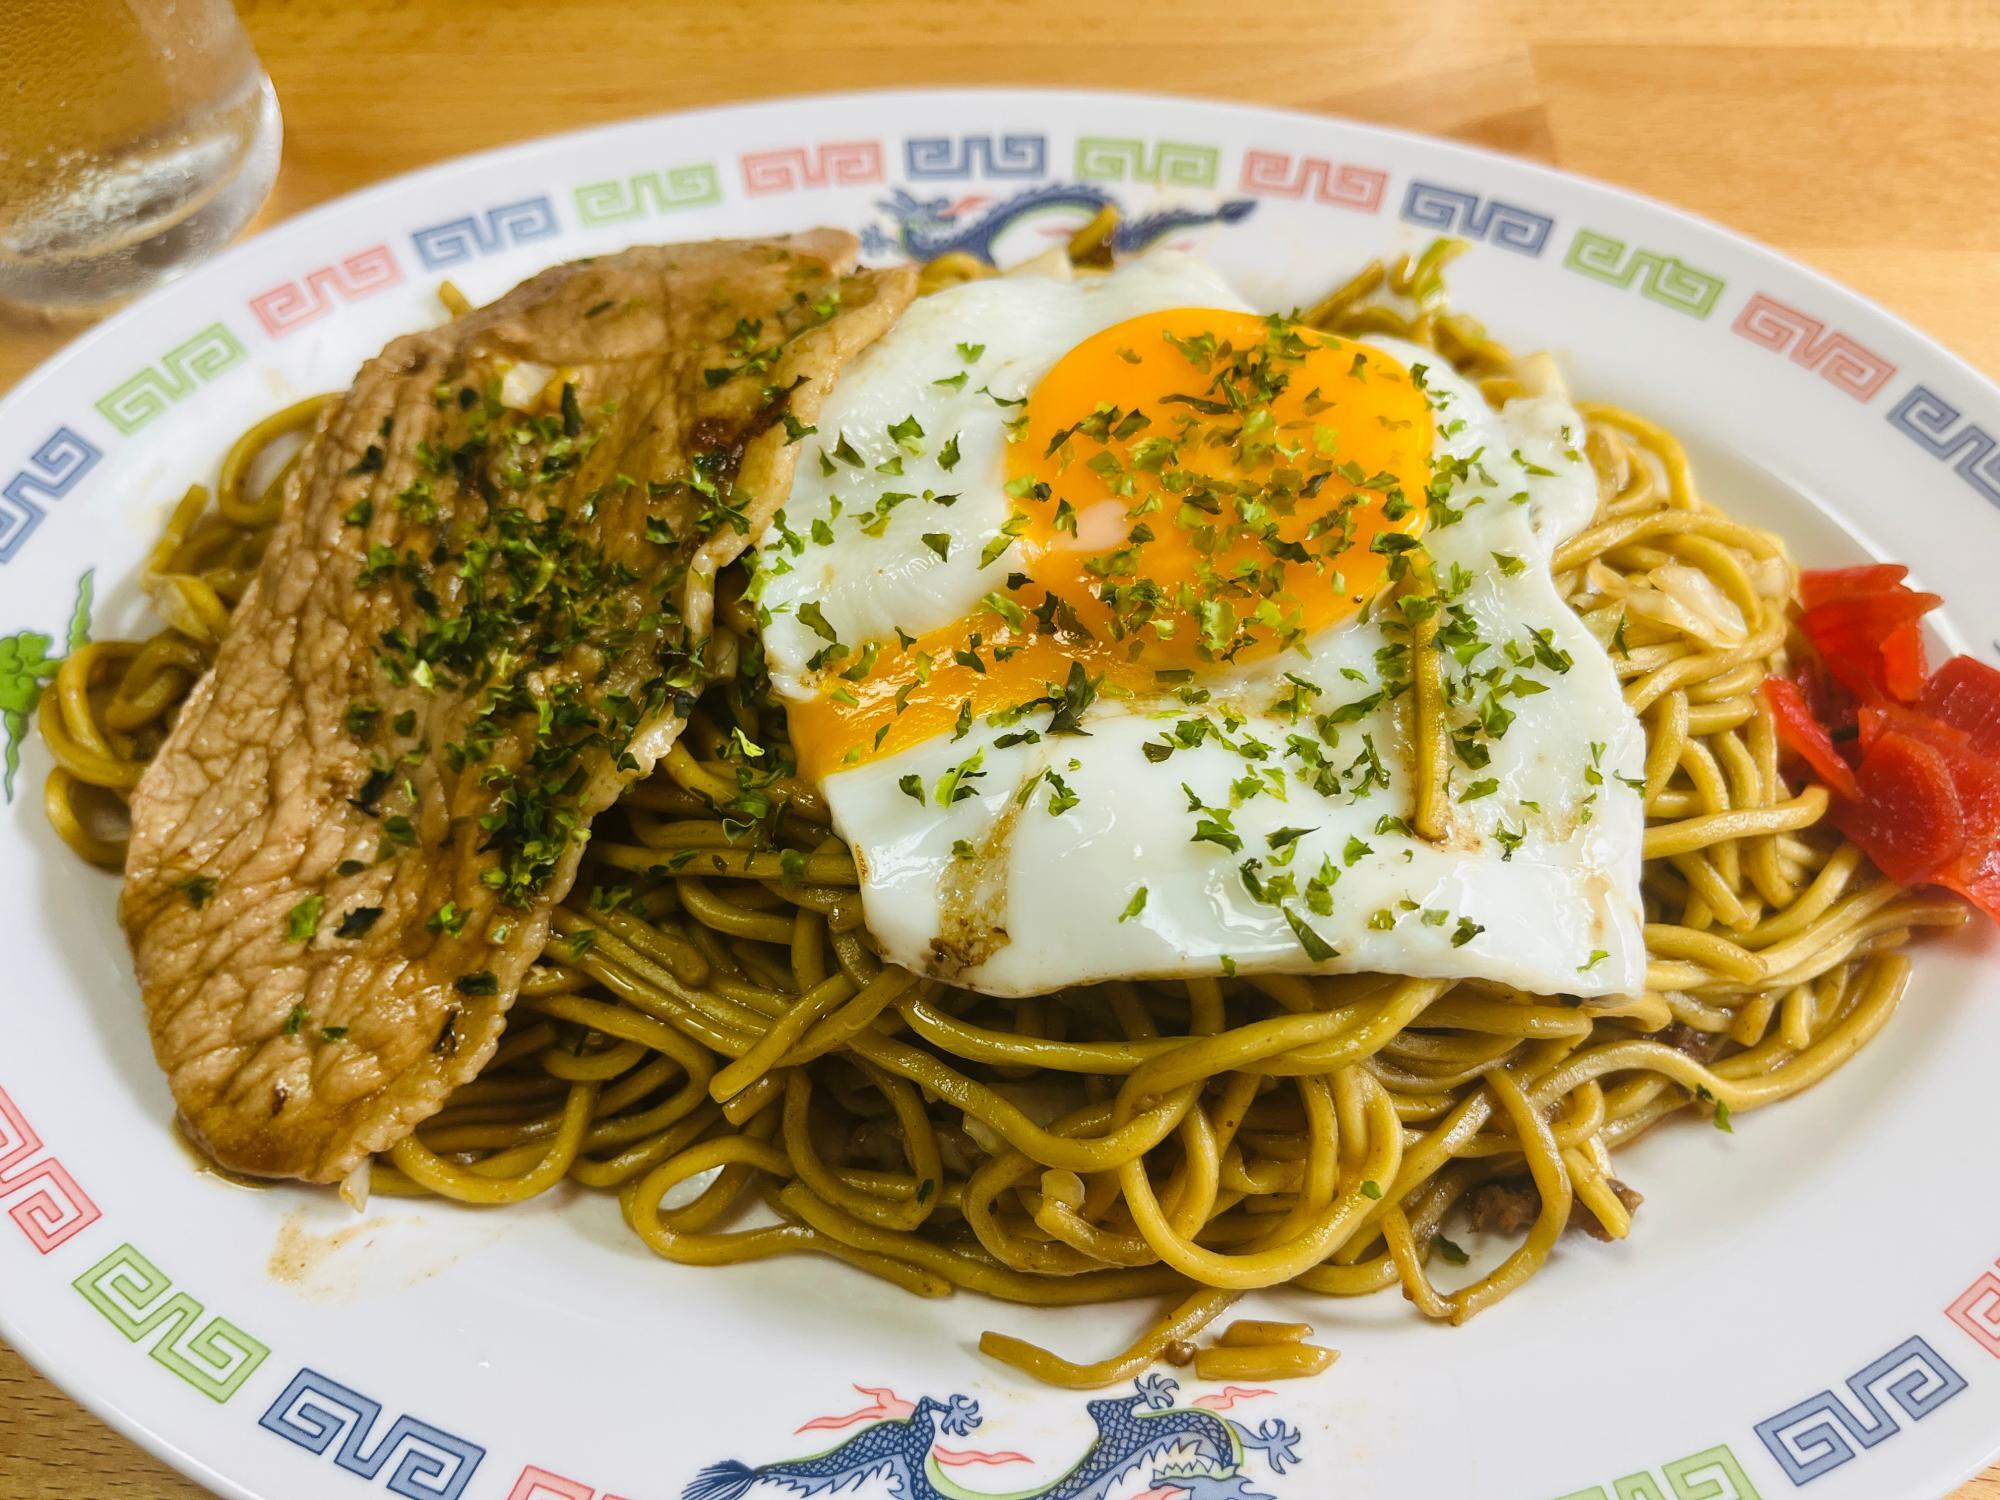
[{"x": 1095, "y": 607}]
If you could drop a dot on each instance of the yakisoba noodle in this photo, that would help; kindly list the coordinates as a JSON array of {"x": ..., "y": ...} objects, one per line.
[{"x": 1180, "y": 1142}]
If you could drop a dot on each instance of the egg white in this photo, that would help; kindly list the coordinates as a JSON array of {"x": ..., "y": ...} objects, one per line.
[{"x": 1052, "y": 900}]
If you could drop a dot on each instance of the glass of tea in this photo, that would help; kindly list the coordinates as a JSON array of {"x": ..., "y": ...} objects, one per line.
[{"x": 136, "y": 138}]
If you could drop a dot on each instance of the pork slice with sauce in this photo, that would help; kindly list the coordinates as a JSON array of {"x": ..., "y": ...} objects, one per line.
[{"x": 480, "y": 617}]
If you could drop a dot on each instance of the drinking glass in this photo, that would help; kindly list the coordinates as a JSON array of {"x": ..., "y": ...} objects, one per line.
[{"x": 136, "y": 138}]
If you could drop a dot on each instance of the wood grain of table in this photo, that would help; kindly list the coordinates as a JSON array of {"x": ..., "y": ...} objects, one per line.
[{"x": 1852, "y": 135}]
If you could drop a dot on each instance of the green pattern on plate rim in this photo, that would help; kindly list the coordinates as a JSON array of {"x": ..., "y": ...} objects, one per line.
[
  {"x": 620, "y": 198},
  {"x": 136, "y": 401},
  {"x": 213, "y": 1355},
  {"x": 1104, "y": 158},
  {"x": 1699, "y": 1476},
  {"x": 1667, "y": 279}
]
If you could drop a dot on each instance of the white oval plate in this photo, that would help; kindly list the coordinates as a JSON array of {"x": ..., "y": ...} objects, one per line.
[{"x": 1809, "y": 1300}]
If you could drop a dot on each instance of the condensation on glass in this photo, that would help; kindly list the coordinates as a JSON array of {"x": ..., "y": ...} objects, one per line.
[{"x": 136, "y": 138}]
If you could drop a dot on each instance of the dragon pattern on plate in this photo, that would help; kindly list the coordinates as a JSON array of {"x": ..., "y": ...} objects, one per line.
[
  {"x": 1175, "y": 1452},
  {"x": 925, "y": 228}
]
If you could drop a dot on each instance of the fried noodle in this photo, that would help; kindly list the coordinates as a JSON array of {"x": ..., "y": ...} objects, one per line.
[{"x": 709, "y": 1029}]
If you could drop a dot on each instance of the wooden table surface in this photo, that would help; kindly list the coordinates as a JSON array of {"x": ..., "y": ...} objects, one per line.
[{"x": 1857, "y": 136}]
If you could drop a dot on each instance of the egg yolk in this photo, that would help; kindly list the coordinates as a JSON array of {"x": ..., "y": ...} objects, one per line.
[{"x": 1188, "y": 489}]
